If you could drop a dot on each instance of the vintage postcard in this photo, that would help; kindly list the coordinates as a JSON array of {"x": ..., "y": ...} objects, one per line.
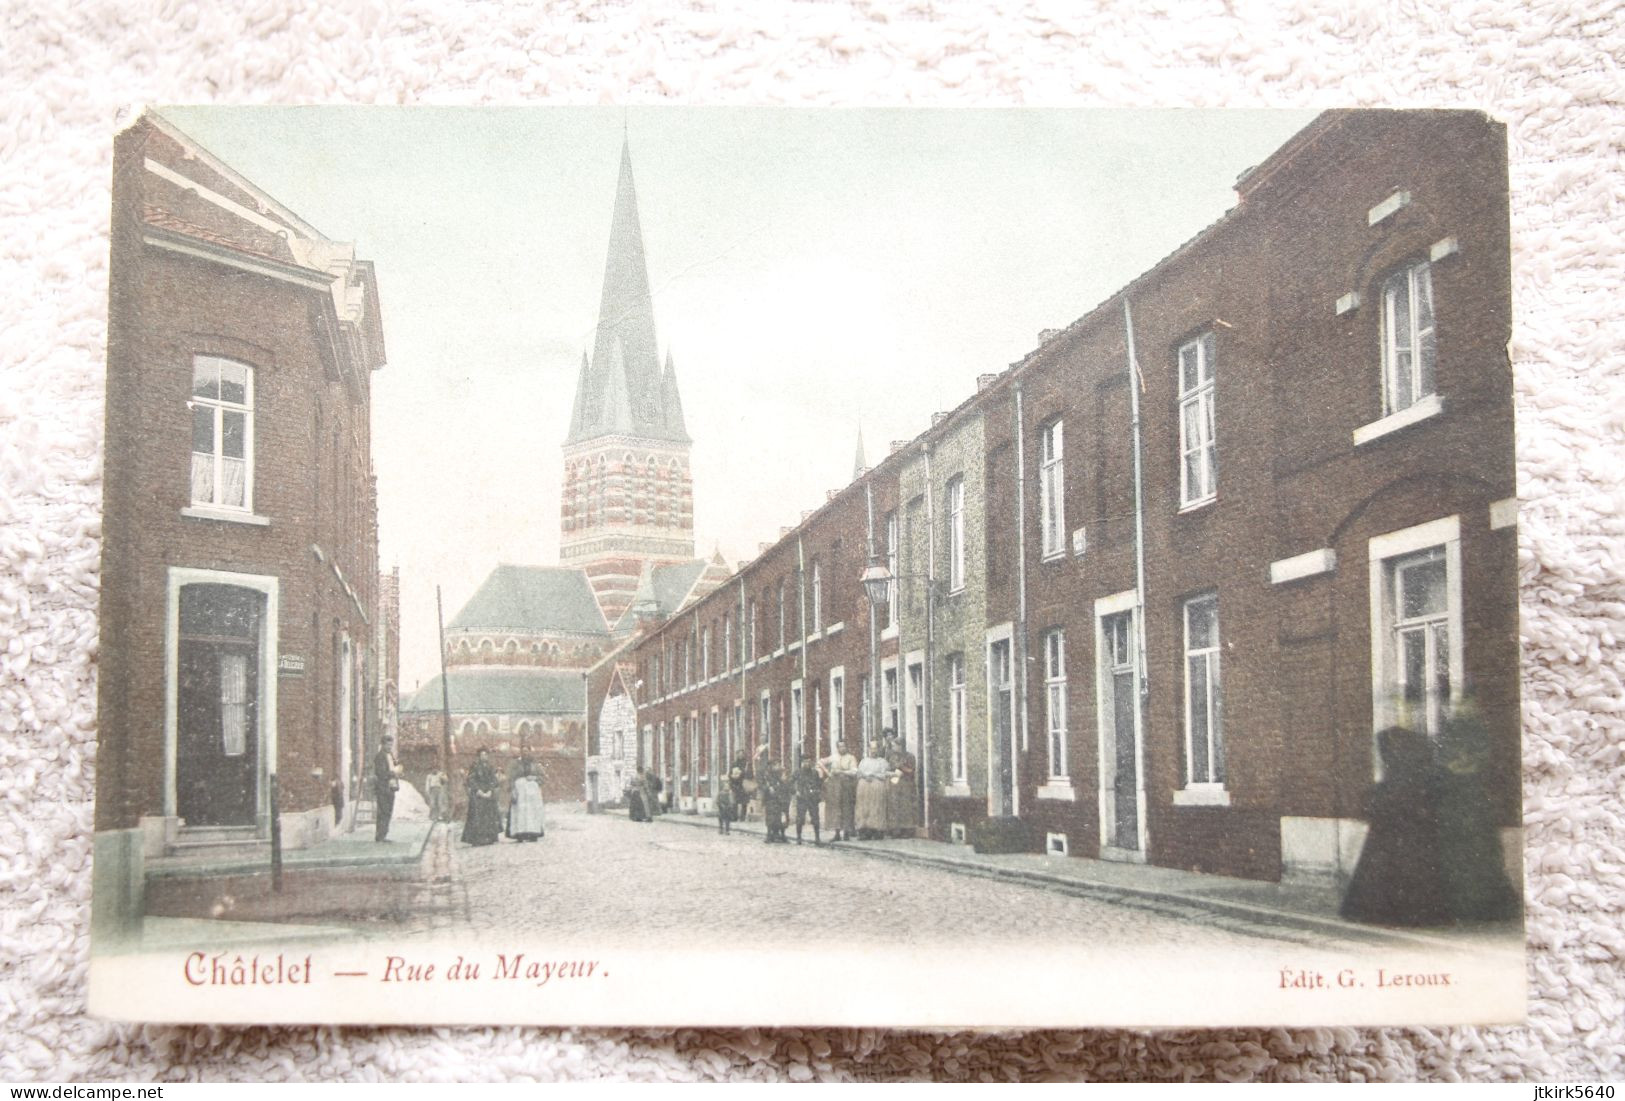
[{"x": 913, "y": 568}]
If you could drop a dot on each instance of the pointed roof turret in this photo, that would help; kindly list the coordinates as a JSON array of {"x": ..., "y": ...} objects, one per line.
[
  {"x": 671, "y": 401},
  {"x": 624, "y": 343},
  {"x": 577, "y": 415}
]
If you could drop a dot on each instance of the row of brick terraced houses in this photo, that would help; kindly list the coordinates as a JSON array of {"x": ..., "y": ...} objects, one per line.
[{"x": 1322, "y": 543}]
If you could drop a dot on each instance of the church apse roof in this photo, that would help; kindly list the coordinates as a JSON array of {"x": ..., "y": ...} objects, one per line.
[
  {"x": 506, "y": 691},
  {"x": 535, "y": 599}
]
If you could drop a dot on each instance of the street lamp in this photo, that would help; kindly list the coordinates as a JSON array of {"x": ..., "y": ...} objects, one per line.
[
  {"x": 877, "y": 586},
  {"x": 877, "y": 581}
]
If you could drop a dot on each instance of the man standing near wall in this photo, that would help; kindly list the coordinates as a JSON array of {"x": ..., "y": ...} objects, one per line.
[{"x": 385, "y": 780}]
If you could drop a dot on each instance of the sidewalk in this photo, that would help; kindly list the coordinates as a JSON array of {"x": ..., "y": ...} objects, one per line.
[
  {"x": 402, "y": 852},
  {"x": 1194, "y": 895}
]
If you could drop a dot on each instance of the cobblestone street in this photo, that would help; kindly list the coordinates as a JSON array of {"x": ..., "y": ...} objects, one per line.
[{"x": 614, "y": 880}]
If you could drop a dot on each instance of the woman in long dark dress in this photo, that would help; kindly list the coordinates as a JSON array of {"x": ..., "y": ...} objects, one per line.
[
  {"x": 1475, "y": 876},
  {"x": 1399, "y": 879},
  {"x": 484, "y": 823}
]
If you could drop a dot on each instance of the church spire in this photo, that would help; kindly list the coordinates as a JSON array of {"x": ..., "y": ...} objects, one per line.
[
  {"x": 859, "y": 467},
  {"x": 625, "y": 342}
]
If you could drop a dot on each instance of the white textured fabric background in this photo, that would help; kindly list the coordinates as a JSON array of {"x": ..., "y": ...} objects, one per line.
[{"x": 1552, "y": 69}]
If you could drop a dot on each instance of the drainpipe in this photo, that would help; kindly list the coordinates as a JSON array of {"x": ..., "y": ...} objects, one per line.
[
  {"x": 1019, "y": 643},
  {"x": 801, "y": 625},
  {"x": 872, "y": 732},
  {"x": 1142, "y": 696},
  {"x": 930, "y": 685}
]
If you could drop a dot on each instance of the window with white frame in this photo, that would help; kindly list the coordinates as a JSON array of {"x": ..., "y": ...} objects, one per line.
[
  {"x": 956, "y": 534},
  {"x": 222, "y": 405},
  {"x": 797, "y": 727},
  {"x": 1199, "y": 459},
  {"x": 818, "y": 718},
  {"x": 865, "y": 720},
  {"x": 956, "y": 716},
  {"x": 727, "y": 642},
  {"x": 916, "y": 704},
  {"x": 1408, "y": 348},
  {"x": 837, "y": 709},
  {"x": 1051, "y": 490},
  {"x": 817, "y": 597},
  {"x": 1055, "y": 701},
  {"x": 1419, "y": 628},
  {"x": 705, "y": 653},
  {"x": 766, "y": 720},
  {"x": 891, "y": 567},
  {"x": 750, "y": 630},
  {"x": 889, "y": 703},
  {"x": 783, "y": 621},
  {"x": 1204, "y": 721}
]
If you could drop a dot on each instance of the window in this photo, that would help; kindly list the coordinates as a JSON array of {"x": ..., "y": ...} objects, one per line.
[
  {"x": 1051, "y": 491},
  {"x": 1198, "y": 478},
  {"x": 1416, "y": 625},
  {"x": 916, "y": 700},
  {"x": 782, "y": 619},
  {"x": 222, "y": 407},
  {"x": 1055, "y": 701},
  {"x": 1204, "y": 736},
  {"x": 818, "y": 718},
  {"x": 797, "y": 729},
  {"x": 727, "y": 641},
  {"x": 889, "y": 703},
  {"x": 837, "y": 708},
  {"x": 765, "y": 723},
  {"x": 817, "y": 598},
  {"x": 705, "y": 653},
  {"x": 1407, "y": 338},
  {"x": 750, "y": 630},
  {"x": 865, "y": 719},
  {"x": 956, "y": 715},
  {"x": 1420, "y": 631},
  {"x": 891, "y": 567},
  {"x": 956, "y": 534}
]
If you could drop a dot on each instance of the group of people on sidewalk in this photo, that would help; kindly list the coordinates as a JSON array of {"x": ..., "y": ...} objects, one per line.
[{"x": 858, "y": 799}]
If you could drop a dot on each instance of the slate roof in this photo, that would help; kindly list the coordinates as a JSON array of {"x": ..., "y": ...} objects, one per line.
[
  {"x": 514, "y": 690},
  {"x": 663, "y": 586},
  {"x": 533, "y": 598}
]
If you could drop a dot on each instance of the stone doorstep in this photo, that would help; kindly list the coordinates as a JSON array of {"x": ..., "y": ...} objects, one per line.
[
  {"x": 1169, "y": 900},
  {"x": 209, "y": 860}
]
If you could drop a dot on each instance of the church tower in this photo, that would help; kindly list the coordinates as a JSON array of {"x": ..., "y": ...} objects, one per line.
[{"x": 628, "y": 495}]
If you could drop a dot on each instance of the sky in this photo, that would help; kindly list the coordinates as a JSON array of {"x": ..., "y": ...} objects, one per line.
[{"x": 814, "y": 272}]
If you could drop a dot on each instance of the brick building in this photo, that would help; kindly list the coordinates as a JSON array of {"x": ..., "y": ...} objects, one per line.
[
  {"x": 1305, "y": 494},
  {"x": 239, "y": 612}
]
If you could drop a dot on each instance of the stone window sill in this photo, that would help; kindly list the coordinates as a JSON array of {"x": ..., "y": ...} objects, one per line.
[
  {"x": 1202, "y": 795},
  {"x": 1430, "y": 406},
  {"x": 956, "y": 791},
  {"x": 230, "y": 516},
  {"x": 1059, "y": 789}
]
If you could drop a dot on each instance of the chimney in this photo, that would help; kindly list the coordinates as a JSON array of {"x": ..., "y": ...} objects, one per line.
[
  {"x": 984, "y": 381},
  {"x": 938, "y": 418},
  {"x": 898, "y": 445}
]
